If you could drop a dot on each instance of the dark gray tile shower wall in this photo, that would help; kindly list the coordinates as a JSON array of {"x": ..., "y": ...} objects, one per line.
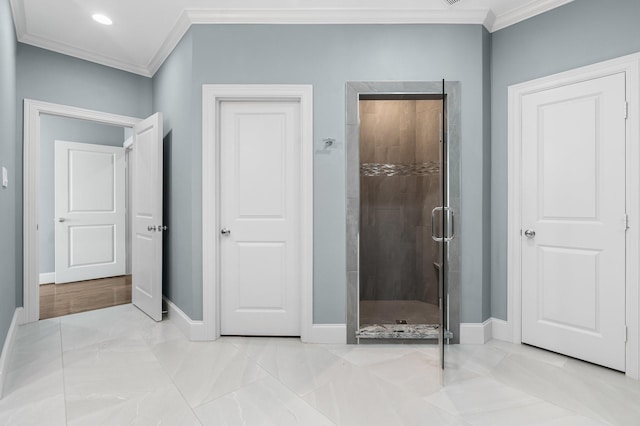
[{"x": 397, "y": 253}]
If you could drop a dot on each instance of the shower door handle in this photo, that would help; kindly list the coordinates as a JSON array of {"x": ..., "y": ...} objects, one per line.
[
  {"x": 449, "y": 222},
  {"x": 433, "y": 224}
]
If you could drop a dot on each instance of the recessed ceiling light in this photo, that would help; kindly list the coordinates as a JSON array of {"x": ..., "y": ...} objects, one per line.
[{"x": 103, "y": 19}]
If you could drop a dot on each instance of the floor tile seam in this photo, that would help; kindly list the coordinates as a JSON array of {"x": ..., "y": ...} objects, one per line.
[
  {"x": 568, "y": 407},
  {"x": 293, "y": 392},
  {"x": 64, "y": 383},
  {"x": 529, "y": 403},
  {"x": 263, "y": 379},
  {"x": 172, "y": 381},
  {"x": 252, "y": 382}
]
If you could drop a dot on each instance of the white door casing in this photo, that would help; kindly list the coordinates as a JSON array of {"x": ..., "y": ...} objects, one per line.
[
  {"x": 89, "y": 211},
  {"x": 630, "y": 67},
  {"x": 259, "y": 186},
  {"x": 31, "y": 170},
  {"x": 147, "y": 216},
  {"x": 573, "y": 198},
  {"x": 213, "y": 96}
]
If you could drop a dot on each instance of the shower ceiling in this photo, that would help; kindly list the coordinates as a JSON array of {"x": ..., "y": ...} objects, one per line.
[{"x": 144, "y": 32}]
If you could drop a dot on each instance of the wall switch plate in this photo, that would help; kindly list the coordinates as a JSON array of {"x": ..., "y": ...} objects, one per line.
[{"x": 5, "y": 177}]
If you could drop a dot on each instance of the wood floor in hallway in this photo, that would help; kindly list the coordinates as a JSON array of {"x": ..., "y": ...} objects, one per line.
[{"x": 70, "y": 298}]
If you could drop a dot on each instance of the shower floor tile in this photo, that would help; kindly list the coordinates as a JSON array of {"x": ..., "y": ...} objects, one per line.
[
  {"x": 389, "y": 311},
  {"x": 398, "y": 331}
]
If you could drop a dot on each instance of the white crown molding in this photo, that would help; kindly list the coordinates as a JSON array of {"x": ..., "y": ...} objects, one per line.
[
  {"x": 308, "y": 16},
  {"x": 19, "y": 17},
  {"x": 489, "y": 20},
  {"x": 284, "y": 16},
  {"x": 173, "y": 38},
  {"x": 527, "y": 11},
  {"x": 83, "y": 54},
  {"x": 335, "y": 16}
]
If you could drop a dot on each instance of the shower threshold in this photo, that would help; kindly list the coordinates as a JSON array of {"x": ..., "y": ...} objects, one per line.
[{"x": 401, "y": 331}]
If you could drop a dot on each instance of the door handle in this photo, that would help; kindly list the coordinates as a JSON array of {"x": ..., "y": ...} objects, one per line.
[
  {"x": 61, "y": 219},
  {"x": 451, "y": 232},
  {"x": 530, "y": 233},
  {"x": 151, "y": 228},
  {"x": 225, "y": 232},
  {"x": 433, "y": 224},
  {"x": 162, "y": 228}
]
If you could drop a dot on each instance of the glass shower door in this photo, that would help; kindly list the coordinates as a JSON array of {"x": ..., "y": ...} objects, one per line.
[{"x": 443, "y": 232}]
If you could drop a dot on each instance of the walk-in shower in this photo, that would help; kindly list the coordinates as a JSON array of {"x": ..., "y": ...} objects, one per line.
[
  {"x": 400, "y": 186},
  {"x": 402, "y": 196}
]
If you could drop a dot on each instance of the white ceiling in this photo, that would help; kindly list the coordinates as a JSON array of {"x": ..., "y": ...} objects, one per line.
[{"x": 144, "y": 32}]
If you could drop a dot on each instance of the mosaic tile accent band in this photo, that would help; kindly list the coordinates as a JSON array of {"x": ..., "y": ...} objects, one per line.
[{"x": 419, "y": 169}]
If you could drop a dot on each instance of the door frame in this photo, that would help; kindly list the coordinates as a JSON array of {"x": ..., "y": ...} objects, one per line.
[
  {"x": 630, "y": 65},
  {"x": 31, "y": 173},
  {"x": 212, "y": 96}
]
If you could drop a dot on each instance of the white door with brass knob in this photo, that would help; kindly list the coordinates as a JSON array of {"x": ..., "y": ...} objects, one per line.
[{"x": 573, "y": 218}]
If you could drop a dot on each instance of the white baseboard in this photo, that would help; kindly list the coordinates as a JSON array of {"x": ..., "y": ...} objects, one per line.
[
  {"x": 501, "y": 330},
  {"x": 481, "y": 333},
  {"x": 193, "y": 330},
  {"x": 47, "y": 278},
  {"x": 475, "y": 333},
  {"x": 327, "y": 334},
  {"x": 18, "y": 318}
]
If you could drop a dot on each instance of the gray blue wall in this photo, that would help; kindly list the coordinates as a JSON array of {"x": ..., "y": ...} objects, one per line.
[
  {"x": 580, "y": 33},
  {"x": 326, "y": 56},
  {"x": 54, "y": 128},
  {"x": 173, "y": 95},
  {"x": 48, "y": 76},
  {"x": 9, "y": 198}
]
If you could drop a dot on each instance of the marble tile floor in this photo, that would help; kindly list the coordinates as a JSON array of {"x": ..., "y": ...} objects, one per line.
[{"x": 116, "y": 366}]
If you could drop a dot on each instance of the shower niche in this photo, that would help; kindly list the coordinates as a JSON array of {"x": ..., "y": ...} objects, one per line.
[{"x": 402, "y": 198}]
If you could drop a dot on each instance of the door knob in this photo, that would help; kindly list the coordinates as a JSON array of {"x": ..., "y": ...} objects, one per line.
[
  {"x": 529, "y": 233},
  {"x": 226, "y": 232},
  {"x": 61, "y": 219},
  {"x": 151, "y": 228},
  {"x": 162, "y": 228}
]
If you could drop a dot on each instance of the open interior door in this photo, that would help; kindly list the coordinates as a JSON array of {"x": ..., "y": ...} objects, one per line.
[{"x": 147, "y": 216}]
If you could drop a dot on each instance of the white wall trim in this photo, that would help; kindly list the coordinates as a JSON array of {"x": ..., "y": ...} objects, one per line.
[
  {"x": 47, "y": 278},
  {"x": 500, "y": 330},
  {"x": 31, "y": 172},
  {"x": 8, "y": 345},
  {"x": 526, "y": 11},
  {"x": 86, "y": 55},
  {"x": 335, "y": 334},
  {"x": 481, "y": 333},
  {"x": 212, "y": 95},
  {"x": 475, "y": 333},
  {"x": 193, "y": 330},
  {"x": 346, "y": 15},
  {"x": 630, "y": 65}
]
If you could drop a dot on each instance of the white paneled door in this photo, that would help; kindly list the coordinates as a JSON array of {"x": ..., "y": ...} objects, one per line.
[
  {"x": 574, "y": 221},
  {"x": 89, "y": 211},
  {"x": 260, "y": 218},
  {"x": 148, "y": 226}
]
